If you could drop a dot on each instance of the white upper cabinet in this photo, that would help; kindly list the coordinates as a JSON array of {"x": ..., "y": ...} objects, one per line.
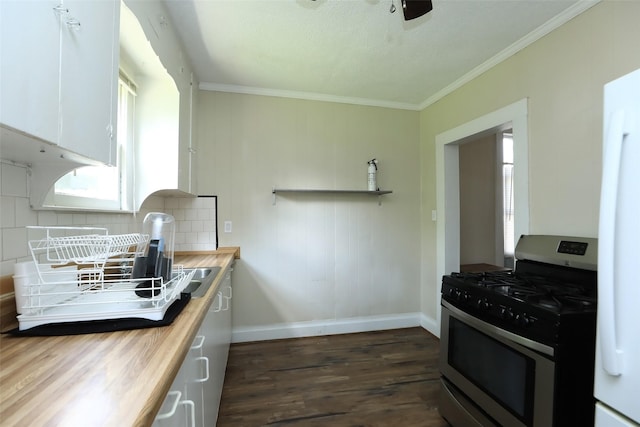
[
  {"x": 89, "y": 78},
  {"x": 30, "y": 67},
  {"x": 59, "y": 68}
]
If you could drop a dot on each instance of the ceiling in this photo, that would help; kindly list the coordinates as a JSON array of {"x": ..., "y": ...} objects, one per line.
[{"x": 356, "y": 51}]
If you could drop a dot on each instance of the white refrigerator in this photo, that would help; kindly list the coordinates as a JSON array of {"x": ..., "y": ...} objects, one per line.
[{"x": 617, "y": 369}]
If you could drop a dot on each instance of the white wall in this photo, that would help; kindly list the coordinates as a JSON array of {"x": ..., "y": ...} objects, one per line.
[
  {"x": 478, "y": 174},
  {"x": 562, "y": 75},
  {"x": 314, "y": 264}
]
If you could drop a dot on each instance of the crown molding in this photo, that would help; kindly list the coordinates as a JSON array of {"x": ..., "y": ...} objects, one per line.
[
  {"x": 310, "y": 96},
  {"x": 557, "y": 21}
]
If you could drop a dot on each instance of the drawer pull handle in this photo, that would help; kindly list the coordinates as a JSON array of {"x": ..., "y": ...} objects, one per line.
[
  {"x": 174, "y": 406},
  {"x": 206, "y": 369},
  {"x": 198, "y": 342}
]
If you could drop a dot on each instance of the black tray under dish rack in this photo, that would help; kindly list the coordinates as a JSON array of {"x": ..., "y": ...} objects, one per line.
[{"x": 80, "y": 278}]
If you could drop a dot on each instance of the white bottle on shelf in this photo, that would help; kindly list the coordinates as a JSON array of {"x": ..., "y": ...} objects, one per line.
[{"x": 371, "y": 173}]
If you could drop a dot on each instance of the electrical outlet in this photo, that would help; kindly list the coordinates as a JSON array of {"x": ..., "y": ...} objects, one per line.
[
  {"x": 434, "y": 215},
  {"x": 228, "y": 226}
]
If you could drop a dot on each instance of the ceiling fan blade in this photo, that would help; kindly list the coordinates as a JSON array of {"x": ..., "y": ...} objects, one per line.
[{"x": 415, "y": 8}]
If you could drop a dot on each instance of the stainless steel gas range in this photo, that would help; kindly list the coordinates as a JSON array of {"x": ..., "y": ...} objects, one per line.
[{"x": 517, "y": 347}]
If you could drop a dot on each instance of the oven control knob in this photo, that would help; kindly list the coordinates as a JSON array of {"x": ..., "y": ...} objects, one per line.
[
  {"x": 483, "y": 304},
  {"x": 506, "y": 313},
  {"x": 522, "y": 319}
]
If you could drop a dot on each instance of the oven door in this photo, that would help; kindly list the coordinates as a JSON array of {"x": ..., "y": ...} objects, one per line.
[{"x": 493, "y": 373}]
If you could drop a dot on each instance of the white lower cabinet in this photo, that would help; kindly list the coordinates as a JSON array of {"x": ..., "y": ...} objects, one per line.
[
  {"x": 182, "y": 407},
  {"x": 194, "y": 397},
  {"x": 217, "y": 325}
]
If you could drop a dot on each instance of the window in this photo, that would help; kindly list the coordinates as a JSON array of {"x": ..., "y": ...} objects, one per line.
[{"x": 104, "y": 187}]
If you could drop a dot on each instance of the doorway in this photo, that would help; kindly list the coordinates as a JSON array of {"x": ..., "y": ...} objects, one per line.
[
  {"x": 486, "y": 202},
  {"x": 512, "y": 117}
]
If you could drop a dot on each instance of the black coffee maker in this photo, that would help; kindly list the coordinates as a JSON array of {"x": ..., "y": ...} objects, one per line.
[{"x": 156, "y": 264}]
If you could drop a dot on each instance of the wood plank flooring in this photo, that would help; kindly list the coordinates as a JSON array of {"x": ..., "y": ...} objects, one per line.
[{"x": 376, "y": 379}]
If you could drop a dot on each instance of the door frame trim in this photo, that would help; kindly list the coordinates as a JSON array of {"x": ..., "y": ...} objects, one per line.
[{"x": 514, "y": 116}]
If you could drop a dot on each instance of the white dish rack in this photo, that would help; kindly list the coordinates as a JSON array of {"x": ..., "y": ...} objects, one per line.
[{"x": 84, "y": 274}]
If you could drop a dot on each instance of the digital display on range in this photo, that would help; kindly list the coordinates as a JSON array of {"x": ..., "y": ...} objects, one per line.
[{"x": 573, "y": 248}]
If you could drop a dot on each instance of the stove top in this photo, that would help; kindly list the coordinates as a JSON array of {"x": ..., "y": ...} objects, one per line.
[
  {"x": 543, "y": 293},
  {"x": 550, "y": 294}
]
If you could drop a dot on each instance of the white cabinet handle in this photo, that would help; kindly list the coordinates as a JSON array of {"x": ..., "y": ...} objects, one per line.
[
  {"x": 174, "y": 407},
  {"x": 192, "y": 408},
  {"x": 219, "y": 308},
  {"x": 177, "y": 395},
  {"x": 227, "y": 299},
  {"x": 198, "y": 342},
  {"x": 206, "y": 369},
  {"x": 60, "y": 9},
  {"x": 73, "y": 24}
]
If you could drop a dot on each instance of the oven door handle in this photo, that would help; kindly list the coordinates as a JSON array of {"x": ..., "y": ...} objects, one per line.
[{"x": 492, "y": 329}]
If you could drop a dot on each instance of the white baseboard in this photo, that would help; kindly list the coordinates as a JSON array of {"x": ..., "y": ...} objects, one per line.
[
  {"x": 430, "y": 325},
  {"x": 332, "y": 327}
]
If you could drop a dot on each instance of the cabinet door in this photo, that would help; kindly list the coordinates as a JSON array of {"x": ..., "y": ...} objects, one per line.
[
  {"x": 198, "y": 379},
  {"x": 183, "y": 404},
  {"x": 176, "y": 411},
  {"x": 227, "y": 293},
  {"x": 89, "y": 78},
  {"x": 30, "y": 67},
  {"x": 217, "y": 327},
  {"x": 211, "y": 326}
]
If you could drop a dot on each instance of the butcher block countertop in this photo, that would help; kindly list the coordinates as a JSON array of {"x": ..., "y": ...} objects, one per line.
[{"x": 115, "y": 379}]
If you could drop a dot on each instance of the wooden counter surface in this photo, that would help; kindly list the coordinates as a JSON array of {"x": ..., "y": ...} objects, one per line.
[{"x": 115, "y": 379}]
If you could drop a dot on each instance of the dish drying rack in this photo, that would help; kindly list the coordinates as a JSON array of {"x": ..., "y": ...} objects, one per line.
[{"x": 83, "y": 277}]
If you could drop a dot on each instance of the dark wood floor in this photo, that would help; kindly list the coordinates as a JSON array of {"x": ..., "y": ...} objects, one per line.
[{"x": 385, "y": 378}]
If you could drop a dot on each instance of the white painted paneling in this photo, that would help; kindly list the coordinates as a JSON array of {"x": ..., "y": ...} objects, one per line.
[{"x": 313, "y": 257}]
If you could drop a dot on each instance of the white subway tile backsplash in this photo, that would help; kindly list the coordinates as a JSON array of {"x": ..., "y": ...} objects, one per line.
[
  {"x": 7, "y": 211},
  {"x": 79, "y": 219},
  {"x": 205, "y": 203},
  {"x": 203, "y": 237},
  {"x": 203, "y": 213},
  {"x": 191, "y": 237},
  {"x": 24, "y": 214},
  {"x": 47, "y": 218},
  {"x": 14, "y": 243},
  {"x": 190, "y": 215},
  {"x": 195, "y": 220},
  {"x": 180, "y": 238},
  {"x": 178, "y": 214},
  {"x": 197, "y": 226},
  {"x": 6, "y": 268},
  {"x": 65, "y": 219},
  {"x": 183, "y": 226},
  {"x": 13, "y": 179}
]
